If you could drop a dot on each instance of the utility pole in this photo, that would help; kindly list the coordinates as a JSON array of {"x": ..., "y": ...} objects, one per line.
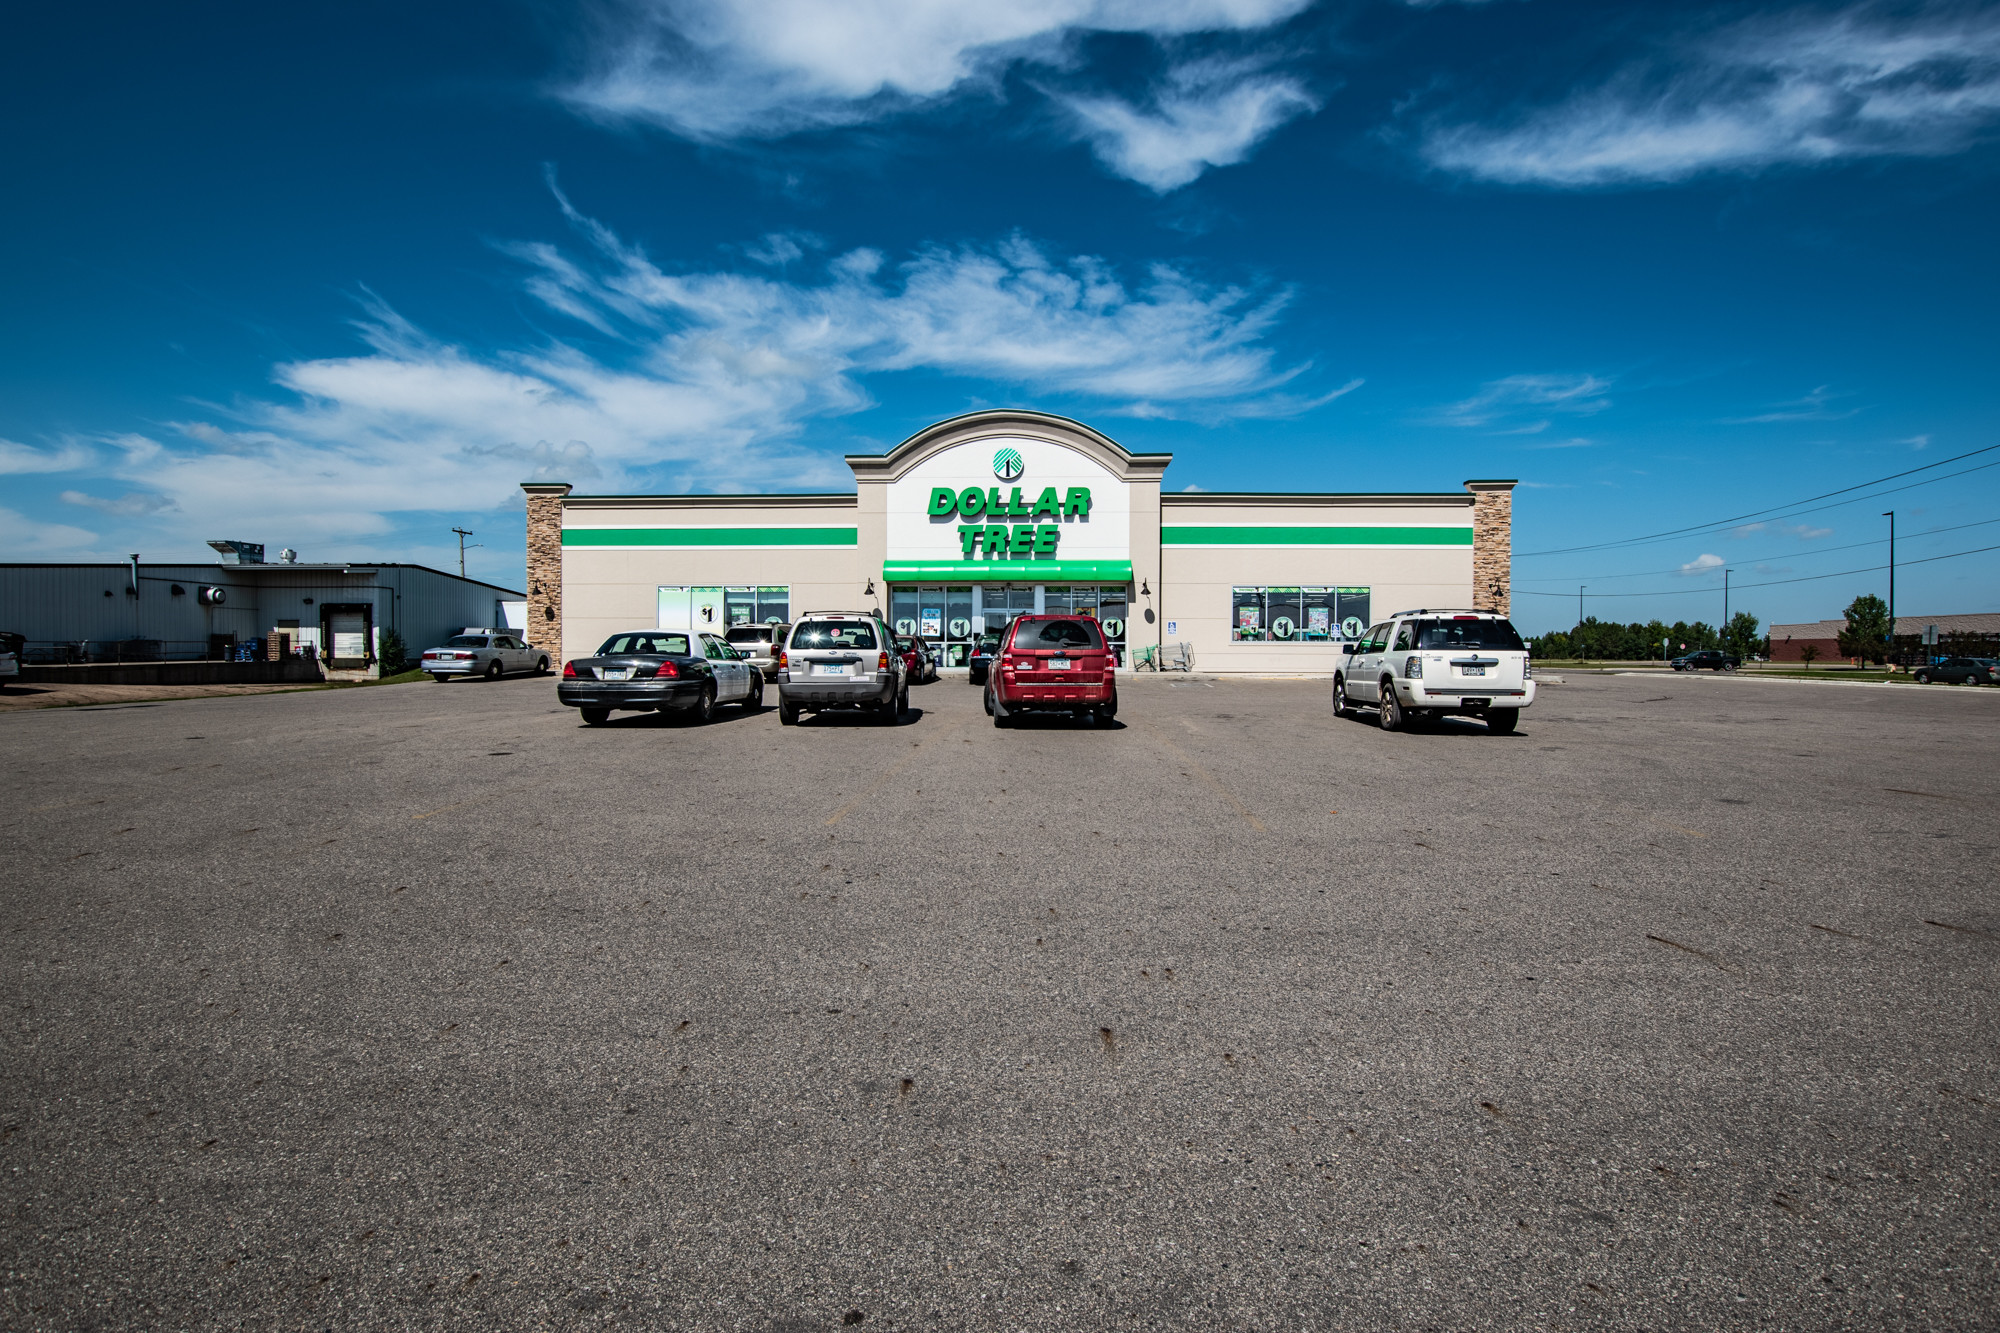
[
  {"x": 463, "y": 533},
  {"x": 1725, "y": 610},
  {"x": 1579, "y": 604},
  {"x": 1891, "y": 516}
]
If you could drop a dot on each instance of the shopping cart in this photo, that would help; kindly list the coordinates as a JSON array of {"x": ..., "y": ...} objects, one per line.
[{"x": 1164, "y": 657}]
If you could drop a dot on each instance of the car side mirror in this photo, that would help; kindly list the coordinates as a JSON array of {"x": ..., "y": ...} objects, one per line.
[{"x": 1346, "y": 647}]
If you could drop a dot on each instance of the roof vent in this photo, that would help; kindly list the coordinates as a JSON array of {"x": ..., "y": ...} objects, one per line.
[
  {"x": 288, "y": 556},
  {"x": 240, "y": 553}
]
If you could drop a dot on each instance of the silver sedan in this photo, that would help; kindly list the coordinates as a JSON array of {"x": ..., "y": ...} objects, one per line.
[{"x": 489, "y": 655}]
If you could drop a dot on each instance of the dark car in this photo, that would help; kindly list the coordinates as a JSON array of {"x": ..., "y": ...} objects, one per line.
[
  {"x": 660, "y": 671},
  {"x": 917, "y": 659},
  {"x": 1053, "y": 664},
  {"x": 1708, "y": 659},
  {"x": 1960, "y": 671},
  {"x": 983, "y": 649}
]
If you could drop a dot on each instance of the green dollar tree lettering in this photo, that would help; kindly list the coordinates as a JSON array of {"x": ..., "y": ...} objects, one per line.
[
  {"x": 943, "y": 501},
  {"x": 1077, "y": 503},
  {"x": 1046, "y": 503}
]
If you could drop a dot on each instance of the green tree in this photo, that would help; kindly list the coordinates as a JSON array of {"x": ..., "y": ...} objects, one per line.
[
  {"x": 395, "y": 653},
  {"x": 1867, "y": 629},
  {"x": 1739, "y": 636},
  {"x": 1809, "y": 653}
]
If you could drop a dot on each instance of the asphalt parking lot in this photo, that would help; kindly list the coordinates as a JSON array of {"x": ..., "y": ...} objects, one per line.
[{"x": 426, "y": 1006}]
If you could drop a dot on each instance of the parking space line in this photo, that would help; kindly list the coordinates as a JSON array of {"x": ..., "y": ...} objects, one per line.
[
  {"x": 908, "y": 759},
  {"x": 1203, "y": 774}
]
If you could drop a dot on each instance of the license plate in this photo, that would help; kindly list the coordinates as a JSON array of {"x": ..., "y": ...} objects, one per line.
[
  {"x": 831, "y": 669},
  {"x": 618, "y": 673},
  {"x": 1058, "y": 664},
  {"x": 1473, "y": 671}
]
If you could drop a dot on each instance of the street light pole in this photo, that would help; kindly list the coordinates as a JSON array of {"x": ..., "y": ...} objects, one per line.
[
  {"x": 1579, "y": 604},
  {"x": 1725, "y": 606},
  {"x": 463, "y": 533}
]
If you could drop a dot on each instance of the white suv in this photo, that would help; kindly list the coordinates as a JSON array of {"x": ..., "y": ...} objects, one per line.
[{"x": 1421, "y": 665}]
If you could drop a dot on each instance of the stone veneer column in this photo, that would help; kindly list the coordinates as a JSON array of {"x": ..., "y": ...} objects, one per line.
[
  {"x": 545, "y": 565},
  {"x": 1492, "y": 545}
]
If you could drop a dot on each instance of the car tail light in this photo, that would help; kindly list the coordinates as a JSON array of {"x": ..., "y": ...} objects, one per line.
[
  {"x": 784, "y": 659},
  {"x": 1413, "y": 669},
  {"x": 1527, "y": 669},
  {"x": 881, "y": 661},
  {"x": 569, "y": 671},
  {"x": 666, "y": 671}
]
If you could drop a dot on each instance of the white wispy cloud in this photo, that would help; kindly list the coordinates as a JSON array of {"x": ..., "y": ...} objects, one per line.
[
  {"x": 132, "y": 504},
  {"x": 710, "y": 380},
  {"x": 1815, "y": 406},
  {"x": 1517, "y": 404},
  {"x": 66, "y": 457},
  {"x": 1208, "y": 113},
  {"x": 1701, "y": 564},
  {"x": 30, "y": 538},
  {"x": 1803, "y": 531},
  {"x": 725, "y": 70},
  {"x": 1809, "y": 86}
]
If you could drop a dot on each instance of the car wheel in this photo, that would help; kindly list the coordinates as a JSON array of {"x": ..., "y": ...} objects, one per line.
[
  {"x": 704, "y": 707},
  {"x": 596, "y": 717},
  {"x": 788, "y": 714},
  {"x": 492, "y": 671},
  {"x": 1502, "y": 721},
  {"x": 1923, "y": 678},
  {"x": 1341, "y": 707},
  {"x": 439, "y": 677},
  {"x": 1729, "y": 666},
  {"x": 987, "y": 699},
  {"x": 753, "y": 702},
  {"x": 998, "y": 710},
  {"x": 1390, "y": 711},
  {"x": 542, "y": 667},
  {"x": 891, "y": 713}
]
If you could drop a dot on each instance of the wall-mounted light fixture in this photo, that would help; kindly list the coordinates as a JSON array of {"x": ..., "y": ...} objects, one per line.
[
  {"x": 1144, "y": 591},
  {"x": 871, "y": 589},
  {"x": 309, "y": 601}
]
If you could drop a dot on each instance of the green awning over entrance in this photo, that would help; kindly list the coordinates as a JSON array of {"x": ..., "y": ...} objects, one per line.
[{"x": 1007, "y": 571}]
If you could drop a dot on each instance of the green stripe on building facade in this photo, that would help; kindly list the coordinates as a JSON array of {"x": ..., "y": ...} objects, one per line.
[
  {"x": 1007, "y": 571},
  {"x": 1294, "y": 535},
  {"x": 668, "y": 538}
]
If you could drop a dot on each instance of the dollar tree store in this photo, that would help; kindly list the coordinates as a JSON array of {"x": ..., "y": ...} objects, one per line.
[{"x": 985, "y": 516}]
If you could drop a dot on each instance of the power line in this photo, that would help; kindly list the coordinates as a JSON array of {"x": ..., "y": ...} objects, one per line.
[
  {"x": 1770, "y": 583},
  {"x": 1803, "y": 555},
  {"x": 1772, "y": 511}
]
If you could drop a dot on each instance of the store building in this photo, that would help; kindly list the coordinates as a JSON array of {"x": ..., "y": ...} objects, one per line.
[{"x": 991, "y": 514}]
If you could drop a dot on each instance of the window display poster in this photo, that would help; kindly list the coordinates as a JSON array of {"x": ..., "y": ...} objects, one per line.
[
  {"x": 1317, "y": 619},
  {"x": 933, "y": 621},
  {"x": 1247, "y": 617}
]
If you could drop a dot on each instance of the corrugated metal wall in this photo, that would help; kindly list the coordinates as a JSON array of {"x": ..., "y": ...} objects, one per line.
[{"x": 68, "y": 604}]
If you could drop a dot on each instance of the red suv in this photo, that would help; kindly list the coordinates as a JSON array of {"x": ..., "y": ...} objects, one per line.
[{"x": 1055, "y": 664}]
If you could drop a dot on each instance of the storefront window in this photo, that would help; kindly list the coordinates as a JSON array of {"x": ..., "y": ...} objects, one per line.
[
  {"x": 1246, "y": 615},
  {"x": 957, "y": 625},
  {"x": 1111, "y": 610},
  {"x": 774, "y": 605},
  {"x": 741, "y": 606},
  {"x": 903, "y": 608},
  {"x": 1297, "y": 615}
]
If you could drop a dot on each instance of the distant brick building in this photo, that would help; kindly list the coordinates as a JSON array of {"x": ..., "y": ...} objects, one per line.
[{"x": 1788, "y": 642}]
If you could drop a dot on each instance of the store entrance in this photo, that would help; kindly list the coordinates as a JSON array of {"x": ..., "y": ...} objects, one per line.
[{"x": 951, "y": 618}]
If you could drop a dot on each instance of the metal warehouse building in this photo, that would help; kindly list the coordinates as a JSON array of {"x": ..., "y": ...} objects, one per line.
[
  {"x": 985, "y": 516},
  {"x": 138, "y": 611}
]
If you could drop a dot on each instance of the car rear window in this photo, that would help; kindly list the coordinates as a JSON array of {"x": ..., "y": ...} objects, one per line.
[
  {"x": 1491, "y": 635},
  {"x": 674, "y": 645},
  {"x": 834, "y": 634},
  {"x": 466, "y": 641},
  {"x": 1057, "y": 634},
  {"x": 753, "y": 634}
]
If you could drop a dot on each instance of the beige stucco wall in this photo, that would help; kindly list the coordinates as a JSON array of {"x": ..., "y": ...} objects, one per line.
[
  {"x": 606, "y": 589},
  {"x": 1197, "y": 580}
]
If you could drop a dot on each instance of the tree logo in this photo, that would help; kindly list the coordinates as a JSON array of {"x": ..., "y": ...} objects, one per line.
[{"x": 1007, "y": 465}]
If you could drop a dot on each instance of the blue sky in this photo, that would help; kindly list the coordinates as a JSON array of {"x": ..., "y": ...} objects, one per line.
[{"x": 339, "y": 277}]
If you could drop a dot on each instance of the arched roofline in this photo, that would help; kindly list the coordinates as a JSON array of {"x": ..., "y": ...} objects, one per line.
[{"x": 1016, "y": 422}]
